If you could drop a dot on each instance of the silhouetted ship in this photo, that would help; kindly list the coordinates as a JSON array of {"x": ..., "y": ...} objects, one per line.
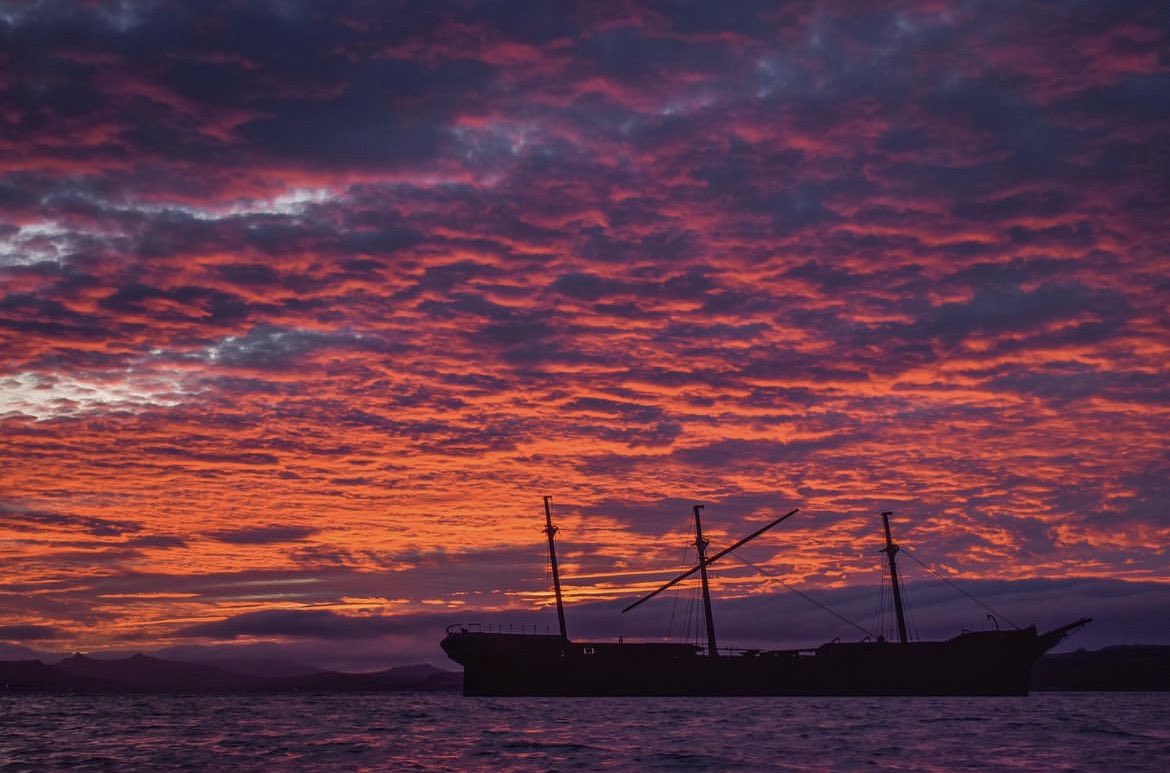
[{"x": 992, "y": 662}]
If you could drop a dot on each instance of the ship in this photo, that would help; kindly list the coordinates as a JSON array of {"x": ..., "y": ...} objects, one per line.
[{"x": 507, "y": 663}]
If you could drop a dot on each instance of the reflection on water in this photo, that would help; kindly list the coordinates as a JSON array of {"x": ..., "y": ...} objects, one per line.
[{"x": 1045, "y": 731}]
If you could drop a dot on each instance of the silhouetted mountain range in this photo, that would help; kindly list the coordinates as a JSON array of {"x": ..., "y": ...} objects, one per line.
[{"x": 142, "y": 673}]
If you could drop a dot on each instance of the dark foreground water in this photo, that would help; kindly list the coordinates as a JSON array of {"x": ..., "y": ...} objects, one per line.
[{"x": 1043, "y": 732}]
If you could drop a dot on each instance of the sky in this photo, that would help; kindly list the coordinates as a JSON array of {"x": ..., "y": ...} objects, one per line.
[{"x": 304, "y": 307}]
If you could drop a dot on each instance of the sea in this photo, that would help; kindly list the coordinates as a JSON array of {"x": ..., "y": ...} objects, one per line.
[{"x": 1048, "y": 732}]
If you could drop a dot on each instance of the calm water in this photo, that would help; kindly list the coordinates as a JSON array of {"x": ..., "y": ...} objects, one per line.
[{"x": 1044, "y": 732}]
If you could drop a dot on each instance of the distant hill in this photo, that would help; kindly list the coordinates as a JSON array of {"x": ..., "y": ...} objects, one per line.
[
  {"x": 145, "y": 673},
  {"x": 265, "y": 659},
  {"x": 411, "y": 678},
  {"x": 35, "y": 676},
  {"x": 1112, "y": 668},
  {"x": 142, "y": 673},
  {"x": 257, "y": 667}
]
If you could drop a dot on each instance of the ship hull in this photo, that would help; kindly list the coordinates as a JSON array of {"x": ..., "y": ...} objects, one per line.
[{"x": 980, "y": 663}]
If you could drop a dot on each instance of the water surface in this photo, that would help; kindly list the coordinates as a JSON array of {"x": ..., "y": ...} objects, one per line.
[{"x": 1043, "y": 732}]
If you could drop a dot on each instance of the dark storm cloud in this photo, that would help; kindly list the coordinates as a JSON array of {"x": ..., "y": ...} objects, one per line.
[
  {"x": 166, "y": 541},
  {"x": 263, "y": 535},
  {"x": 214, "y": 457},
  {"x": 275, "y": 348},
  {"x": 1065, "y": 382},
  {"x": 673, "y": 514},
  {"x": 523, "y": 339},
  {"x": 625, "y": 412},
  {"x": 827, "y": 277},
  {"x": 589, "y": 287},
  {"x": 600, "y": 246},
  {"x": 249, "y": 274},
  {"x": 290, "y": 92},
  {"x": 28, "y": 315},
  {"x": 1140, "y": 97},
  {"x": 757, "y": 451},
  {"x": 21, "y": 519},
  {"x": 1011, "y": 273},
  {"x": 205, "y": 305},
  {"x": 320, "y": 573},
  {"x": 1032, "y": 204},
  {"x": 377, "y": 120},
  {"x": 999, "y": 309},
  {"x": 318, "y": 623},
  {"x": 29, "y": 632}
]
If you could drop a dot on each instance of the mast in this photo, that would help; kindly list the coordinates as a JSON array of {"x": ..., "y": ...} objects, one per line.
[
  {"x": 713, "y": 558},
  {"x": 701, "y": 544},
  {"x": 891, "y": 550},
  {"x": 551, "y": 530}
]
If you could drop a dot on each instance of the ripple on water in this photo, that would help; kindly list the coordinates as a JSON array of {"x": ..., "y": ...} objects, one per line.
[{"x": 1054, "y": 731}]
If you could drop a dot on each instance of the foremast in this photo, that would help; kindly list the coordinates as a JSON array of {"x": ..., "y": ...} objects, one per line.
[{"x": 551, "y": 531}]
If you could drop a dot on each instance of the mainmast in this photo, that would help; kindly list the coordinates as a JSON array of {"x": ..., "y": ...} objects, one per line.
[
  {"x": 891, "y": 550},
  {"x": 551, "y": 530},
  {"x": 713, "y": 558},
  {"x": 701, "y": 544}
]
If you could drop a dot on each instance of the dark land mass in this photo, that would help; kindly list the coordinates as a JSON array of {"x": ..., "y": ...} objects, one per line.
[
  {"x": 145, "y": 674},
  {"x": 1112, "y": 668}
]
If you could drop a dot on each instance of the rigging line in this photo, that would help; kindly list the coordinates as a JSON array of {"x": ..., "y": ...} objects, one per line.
[
  {"x": 886, "y": 620},
  {"x": 805, "y": 596},
  {"x": 879, "y": 616},
  {"x": 686, "y": 595},
  {"x": 674, "y": 605},
  {"x": 670, "y": 624},
  {"x": 960, "y": 590},
  {"x": 691, "y": 595},
  {"x": 908, "y": 608},
  {"x": 674, "y": 600},
  {"x": 693, "y": 606}
]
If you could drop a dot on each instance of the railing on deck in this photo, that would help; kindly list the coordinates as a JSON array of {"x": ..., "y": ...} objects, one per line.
[{"x": 498, "y": 628}]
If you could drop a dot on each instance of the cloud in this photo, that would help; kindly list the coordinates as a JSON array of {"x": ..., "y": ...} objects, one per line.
[
  {"x": 299, "y": 623},
  {"x": 304, "y": 307},
  {"x": 755, "y": 451},
  {"x": 30, "y": 632},
  {"x": 275, "y": 348},
  {"x": 263, "y": 535},
  {"x": 19, "y": 518}
]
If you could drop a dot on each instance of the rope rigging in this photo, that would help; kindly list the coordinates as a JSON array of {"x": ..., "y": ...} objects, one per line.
[
  {"x": 960, "y": 590},
  {"x": 908, "y": 607},
  {"x": 692, "y": 633},
  {"x": 805, "y": 596},
  {"x": 881, "y": 616},
  {"x": 674, "y": 608}
]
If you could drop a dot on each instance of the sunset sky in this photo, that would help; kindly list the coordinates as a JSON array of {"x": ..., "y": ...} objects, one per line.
[{"x": 305, "y": 306}]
